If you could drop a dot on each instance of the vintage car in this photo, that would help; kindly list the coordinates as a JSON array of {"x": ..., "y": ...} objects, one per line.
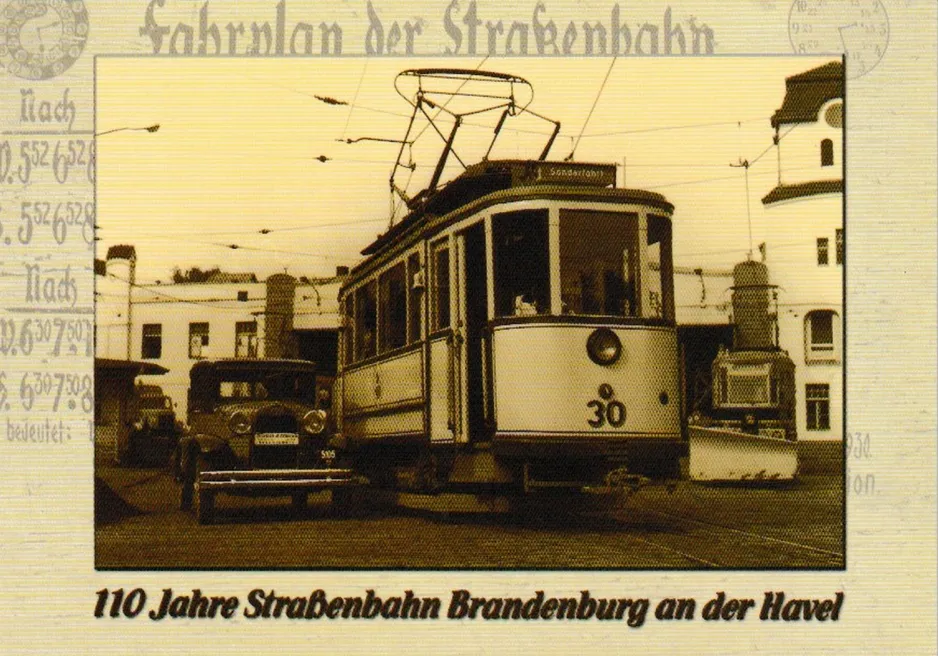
[
  {"x": 258, "y": 427},
  {"x": 154, "y": 431}
]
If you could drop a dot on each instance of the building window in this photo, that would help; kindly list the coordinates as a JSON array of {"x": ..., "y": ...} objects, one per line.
[
  {"x": 441, "y": 286},
  {"x": 198, "y": 339},
  {"x": 392, "y": 307},
  {"x": 822, "y": 251},
  {"x": 242, "y": 295},
  {"x": 151, "y": 346},
  {"x": 366, "y": 321},
  {"x": 246, "y": 339},
  {"x": 839, "y": 245},
  {"x": 827, "y": 152},
  {"x": 821, "y": 336},
  {"x": 835, "y": 115},
  {"x": 415, "y": 282},
  {"x": 818, "y": 406}
]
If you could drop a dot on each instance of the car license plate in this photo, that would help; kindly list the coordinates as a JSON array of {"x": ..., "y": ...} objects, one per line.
[{"x": 276, "y": 439}]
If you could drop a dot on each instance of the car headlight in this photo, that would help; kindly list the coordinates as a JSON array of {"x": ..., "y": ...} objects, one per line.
[
  {"x": 314, "y": 421},
  {"x": 240, "y": 423},
  {"x": 603, "y": 346}
]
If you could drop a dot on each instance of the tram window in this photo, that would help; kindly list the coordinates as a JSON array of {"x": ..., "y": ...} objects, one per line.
[
  {"x": 348, "y": 338},
  {"x": 392, "y": 294},
  {"x": 660, "y": 294},
  {"x": 441, "y": 287},
  {"x": 598, "y": 263},
  {"x": 366, "y": 321},
  {"x": 413, "y": 298},
  {"x": 521, "y": 263}
]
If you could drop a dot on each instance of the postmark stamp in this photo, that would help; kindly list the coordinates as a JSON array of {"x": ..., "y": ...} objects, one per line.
[{"x": 859, "y": 28}]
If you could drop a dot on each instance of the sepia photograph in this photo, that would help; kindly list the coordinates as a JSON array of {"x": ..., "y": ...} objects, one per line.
[{"x": 492, "y": 313}]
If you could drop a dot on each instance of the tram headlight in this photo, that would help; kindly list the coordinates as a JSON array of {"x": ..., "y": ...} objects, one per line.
[
  {"x": 240, "y": 423},
  {"x": 314, "y": 421},
  {"x": 603, "y": 346}
]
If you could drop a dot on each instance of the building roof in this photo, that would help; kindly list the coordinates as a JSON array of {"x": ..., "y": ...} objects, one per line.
[
  {"x": 787, "y": 192},
  {"x": 807, "y": 92},
  {"x": 223, "y": 277},
  {"x": 122, "y": 251},
  {"x": 128, "y": 366}
]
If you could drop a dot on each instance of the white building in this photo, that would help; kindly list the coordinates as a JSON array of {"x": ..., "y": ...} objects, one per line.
[
  {"x": 228, "y": 316},
  {"x": 805, "y": 247}
]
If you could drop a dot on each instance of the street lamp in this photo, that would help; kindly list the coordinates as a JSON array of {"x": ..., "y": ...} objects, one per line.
[
  {"x": 131, "y": 279},
  {"x": 148, "y": 128}
]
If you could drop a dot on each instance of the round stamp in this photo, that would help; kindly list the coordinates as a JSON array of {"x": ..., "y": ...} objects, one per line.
[
  {"x": 858, "y": 28},
  {"x": 40, "y": 39}
]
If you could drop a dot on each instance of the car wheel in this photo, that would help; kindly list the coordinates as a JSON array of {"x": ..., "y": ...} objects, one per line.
[
  {"x": 299, "y": 501},
  {"x": 124, "y": 454},
  {"x": 204, "y": 499},
  {"x": 346, "y": 501}
]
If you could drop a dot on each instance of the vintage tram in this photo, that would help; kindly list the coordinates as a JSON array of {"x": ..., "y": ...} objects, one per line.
[{"x": 515, "y": 330}]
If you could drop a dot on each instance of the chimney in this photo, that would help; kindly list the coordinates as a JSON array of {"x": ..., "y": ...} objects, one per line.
[
  {"x": 279, "y": 340},
  {"x": 754, "y": 330}
]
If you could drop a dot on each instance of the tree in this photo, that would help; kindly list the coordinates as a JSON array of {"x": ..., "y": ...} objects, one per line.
[{"x": 195, "y": 274}]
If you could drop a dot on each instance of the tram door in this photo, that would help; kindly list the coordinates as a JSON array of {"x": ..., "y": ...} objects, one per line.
[{"x": 473, "y": 316}]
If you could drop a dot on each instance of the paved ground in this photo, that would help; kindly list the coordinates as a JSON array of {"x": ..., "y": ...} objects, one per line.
[{"x": 799, "y": 526}]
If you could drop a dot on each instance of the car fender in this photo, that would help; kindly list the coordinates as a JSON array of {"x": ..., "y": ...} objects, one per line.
[{"x": 213, "y": 448}]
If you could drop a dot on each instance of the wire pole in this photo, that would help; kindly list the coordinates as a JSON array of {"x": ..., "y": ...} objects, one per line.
[{"x": 744, "y": 164}]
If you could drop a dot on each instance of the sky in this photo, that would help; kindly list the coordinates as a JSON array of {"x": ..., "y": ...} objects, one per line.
[{"x": 236, "y": 150}]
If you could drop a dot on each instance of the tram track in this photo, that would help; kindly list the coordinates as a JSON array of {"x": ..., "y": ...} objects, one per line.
[
  {"x": 827, "y": 554},
  {"x": 678, "y": 552}
]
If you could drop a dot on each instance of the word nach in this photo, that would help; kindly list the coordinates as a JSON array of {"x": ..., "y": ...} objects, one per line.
[{"x": 33, "y": 110}]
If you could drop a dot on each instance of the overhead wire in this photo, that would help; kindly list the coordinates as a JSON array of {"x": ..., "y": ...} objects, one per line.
[
  {"x": 205, "y": 303},
  {"x": 672, "y": 127},
  {"x": 361, "y": 78},
  {"x": 592, "y": 108}
]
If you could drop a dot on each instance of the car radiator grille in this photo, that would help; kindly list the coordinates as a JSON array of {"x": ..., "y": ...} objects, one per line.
[{"x": 275, "y": 456}]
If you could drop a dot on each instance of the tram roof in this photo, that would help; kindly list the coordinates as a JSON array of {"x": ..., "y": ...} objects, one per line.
[{"x": 490, "y": 176}]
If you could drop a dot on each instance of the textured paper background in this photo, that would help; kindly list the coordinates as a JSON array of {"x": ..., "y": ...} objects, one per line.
[{"x": 48, "y": 578}]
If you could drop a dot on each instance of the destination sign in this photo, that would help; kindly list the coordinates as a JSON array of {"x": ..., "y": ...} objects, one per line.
[{"x": 599, "y": 175}]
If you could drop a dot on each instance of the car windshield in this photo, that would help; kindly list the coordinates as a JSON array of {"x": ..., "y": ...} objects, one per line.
[{"x": 262, "y": 386}]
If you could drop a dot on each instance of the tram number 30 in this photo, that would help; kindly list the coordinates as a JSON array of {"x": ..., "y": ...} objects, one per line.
[{"x": 612, "y": 413}]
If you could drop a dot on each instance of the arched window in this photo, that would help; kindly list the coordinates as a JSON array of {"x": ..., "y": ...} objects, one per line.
[
  {"x": 827, "y": 152},
  {"x": 821, "y": 336}
]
